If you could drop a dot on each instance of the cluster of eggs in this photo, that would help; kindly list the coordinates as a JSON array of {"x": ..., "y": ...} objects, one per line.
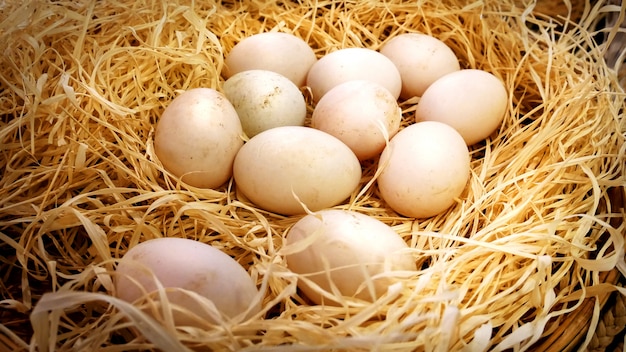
[
  {"x": 286, "y": 167},
  {"x": 254, "y": 131}
]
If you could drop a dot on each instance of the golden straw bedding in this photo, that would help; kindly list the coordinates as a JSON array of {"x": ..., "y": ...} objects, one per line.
[{"x": 532, "y": 237}]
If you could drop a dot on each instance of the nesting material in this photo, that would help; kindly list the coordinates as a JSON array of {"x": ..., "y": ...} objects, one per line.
[{"x": 83, "y": 84}]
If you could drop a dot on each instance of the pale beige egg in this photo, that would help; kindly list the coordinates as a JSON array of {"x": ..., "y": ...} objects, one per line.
[
  {"x": 183, "y": 266},
  {"x": 421, "y": 59},
  {"x": 198, "y": 136},
  {"x": 283, "y": 168},
  {"x": 265, "y": 99},
  {"x": 425, "y": 168},
  {"x": 350, "y": 64},
  {"x": 472, "y": 101},
  {"x": 351, "y": 252},
  {"x": 362, "y": 114},
  {"x": 283, "y": 53}
]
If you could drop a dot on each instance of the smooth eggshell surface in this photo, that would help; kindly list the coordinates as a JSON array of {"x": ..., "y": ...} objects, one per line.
[
  {"x": 421, "y": 60},
  {"x": 277, "y": 165},
  {"x": 362, "y": 114},
  {"x": 426, "y": 166},
  {"x": 184, "y": 264},
  {"x": 472, "y": 101},
  {"x": 198, "y": 136},
  {"x": 351, "y": 64},
  {"x": 265, "y": 99},
  {"x": 283, "y": 53},
  {"x": 349, "y": 248}
]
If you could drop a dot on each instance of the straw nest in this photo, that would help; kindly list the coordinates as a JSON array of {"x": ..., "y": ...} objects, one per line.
[{"x": 533, "y": 236}]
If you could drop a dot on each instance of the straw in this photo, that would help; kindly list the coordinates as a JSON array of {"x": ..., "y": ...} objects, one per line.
[{"x": 83, "y": 85}]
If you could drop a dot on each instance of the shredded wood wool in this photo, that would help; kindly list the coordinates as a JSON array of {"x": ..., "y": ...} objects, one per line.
[{"x": 534, "y": 235}]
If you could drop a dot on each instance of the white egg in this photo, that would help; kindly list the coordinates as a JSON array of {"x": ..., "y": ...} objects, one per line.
[
  {"x": 283, "y": 53},
  {"x": 425, "y": 168},
  {"x": 472, "y": 101},
  {"x": 421, "y": 59},
  {"x": 353, "y": 252},
  {"x": 198, "y": 136},
  {"x": 182, "y": 265},
  {"x": 265, "y": 99},
  {"x": 350, "y": 64},
  {"x": 362, "y": 114},
  {"x": 281, "y": 167}
]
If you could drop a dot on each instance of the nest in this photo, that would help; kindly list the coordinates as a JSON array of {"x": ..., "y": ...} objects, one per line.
[{"x": 537, "y": 234}]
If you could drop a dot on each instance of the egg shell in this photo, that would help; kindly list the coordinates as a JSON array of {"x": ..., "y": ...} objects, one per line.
[
  {"x": 362, "y": 114},
  {"x": 351, "y": 64},
  {"x": 349, "y": 248},
  {"x": 425, "y": 167},
  {"x": 472, "y": 101},
  {"x": 278, "y": 163},
  {"x": 265, "y": 99},
  {"x": 283, "y": 53},
  {"x": 198, "y": 136},
  {"x": 421, "y": 59},
  {"x": 183, "y": 264}
]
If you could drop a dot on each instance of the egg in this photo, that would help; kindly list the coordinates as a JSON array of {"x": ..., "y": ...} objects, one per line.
[
  {"x": 425, "y": 168},
  {"x": 283, "y": 53},
  {"x": 265, "y": 99},
  {"x": 360, "y": 113},
  {"x": 279, "y": 168},
  {"x": 472, "y": 101},
  {"x": 351, "y": 64},
  {"x": 421, "y": 59},
  {"x": 198, "y": 136},
  {"x": 181, "y": 266},
  {"x": 345, "y": 250}
]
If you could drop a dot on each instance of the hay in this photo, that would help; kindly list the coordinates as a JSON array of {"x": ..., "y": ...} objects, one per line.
[{"x": 84, "y": 83}]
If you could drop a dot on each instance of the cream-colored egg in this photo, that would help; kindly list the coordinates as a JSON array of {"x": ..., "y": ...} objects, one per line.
[
  {"x": 350, "y": 64},
  {"x": 426, "y": 167},
  {"x": 265, "y": 99},
  {"x": 350, "y": 251},
  {"x": 182, "y": 266},
  {"x": 362, "y": 114},
  {"x": 281, "y": 167},
  {"x": 198, "y": 136},
  {"x": 472, "y": 101},
  {"x": 421, "y": 59},
  {"x": 283, "y": 53}
]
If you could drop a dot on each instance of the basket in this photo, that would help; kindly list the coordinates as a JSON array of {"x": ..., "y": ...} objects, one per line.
[{"x": 530, "y": 257}]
